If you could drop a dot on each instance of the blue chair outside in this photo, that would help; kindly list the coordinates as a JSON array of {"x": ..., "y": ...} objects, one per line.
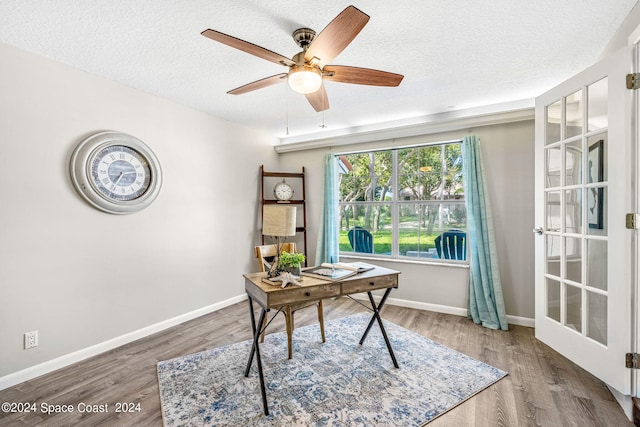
[
  {"x": 361, "y": 240},
  {"x": 452, "y": 244}
]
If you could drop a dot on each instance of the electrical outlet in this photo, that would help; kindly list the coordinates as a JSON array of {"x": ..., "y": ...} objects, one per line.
[{"x": 30, "y": 339}]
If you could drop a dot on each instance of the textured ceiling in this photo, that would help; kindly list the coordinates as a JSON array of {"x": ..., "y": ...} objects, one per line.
[{"x": 454, "y": 54}]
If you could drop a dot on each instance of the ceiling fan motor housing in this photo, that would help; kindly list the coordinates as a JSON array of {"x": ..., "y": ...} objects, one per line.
[{"x": 303, "y": 37}]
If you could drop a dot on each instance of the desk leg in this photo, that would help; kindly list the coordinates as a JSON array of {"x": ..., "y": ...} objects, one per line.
[
  {"x": 255, "y": 349},
  {"x": 376, "y": 316}
]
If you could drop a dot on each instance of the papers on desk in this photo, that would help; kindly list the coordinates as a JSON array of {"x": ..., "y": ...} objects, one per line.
[{"x": 337, "y": 271}]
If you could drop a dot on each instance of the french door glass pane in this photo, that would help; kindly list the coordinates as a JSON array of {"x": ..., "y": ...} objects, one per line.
[
  {"x": 597, "y": 105},
  {"x": 573, "y": 211},
  {"x": 573, "y": 301},
  {"x": 554, "y": 112},
  {"x": 553, "y": 255},
  {"x": 554, "y": 166},
  {"x": 597, "y": 317},
  {"x": 573, "y": 116},
  {"x": 553, "y": 299},
  {"x": 597, "y": 264},
  {"x": 573, "y": 259},
  {"x": 573, "y": 163},
  {"x": 597, "y": 210},
  {"x": 553, "y": 222},
  {"x": 597, "y": 158}
]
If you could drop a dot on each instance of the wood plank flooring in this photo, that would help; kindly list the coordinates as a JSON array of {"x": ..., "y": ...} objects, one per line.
[{"x": 542, "y": 388}]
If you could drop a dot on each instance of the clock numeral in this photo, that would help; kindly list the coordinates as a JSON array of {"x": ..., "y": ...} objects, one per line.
[
  {"x": 121, "y": 156},
  {"x": 112, "y": 157},
  {"x": 112, "y": 188},
  {"x": 105, "y": 181}
]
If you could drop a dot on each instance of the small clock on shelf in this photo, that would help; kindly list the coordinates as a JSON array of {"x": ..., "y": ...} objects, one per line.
[{"x": 283, "y": 192}]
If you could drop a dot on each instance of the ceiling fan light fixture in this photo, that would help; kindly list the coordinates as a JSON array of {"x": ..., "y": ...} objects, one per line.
[{"x": 305, "y": 79}]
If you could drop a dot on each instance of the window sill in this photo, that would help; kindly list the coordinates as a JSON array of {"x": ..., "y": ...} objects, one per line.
[{"x": 406, "y": 261}]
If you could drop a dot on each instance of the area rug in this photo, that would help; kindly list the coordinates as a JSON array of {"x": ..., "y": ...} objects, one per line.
[{"x": 338, "y": 383}]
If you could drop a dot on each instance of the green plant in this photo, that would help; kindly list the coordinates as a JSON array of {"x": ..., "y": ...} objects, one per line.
[{"x": 288, "y": 260}]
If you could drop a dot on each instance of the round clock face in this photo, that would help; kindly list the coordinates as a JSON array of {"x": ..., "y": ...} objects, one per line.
[
  {"x": 283, "y": 191},
  {"x": 120, "y": 173},
  {"x": 115, "y": 172}
]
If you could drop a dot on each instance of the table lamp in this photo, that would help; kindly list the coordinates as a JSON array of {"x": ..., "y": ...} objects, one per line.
[{"x": 278, "y": 221}]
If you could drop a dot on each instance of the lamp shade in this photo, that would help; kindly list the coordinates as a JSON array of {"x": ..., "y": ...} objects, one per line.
[{"x": 279, "y": 220}]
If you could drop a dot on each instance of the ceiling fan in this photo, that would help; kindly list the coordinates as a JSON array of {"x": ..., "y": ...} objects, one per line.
[{"x": 308, "y": 69}]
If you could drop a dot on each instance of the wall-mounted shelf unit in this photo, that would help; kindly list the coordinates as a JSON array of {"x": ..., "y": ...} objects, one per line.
[{"x": 297, "y": 181}]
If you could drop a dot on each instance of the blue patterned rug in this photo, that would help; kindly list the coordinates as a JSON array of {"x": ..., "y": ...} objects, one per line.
[{"x": 338, "y": 383}]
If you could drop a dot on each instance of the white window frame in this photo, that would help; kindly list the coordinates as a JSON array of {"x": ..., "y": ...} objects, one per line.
[{"x": 395, "y": 204}]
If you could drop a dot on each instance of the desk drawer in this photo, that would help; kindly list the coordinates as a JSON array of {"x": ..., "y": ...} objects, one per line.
[
  {"x": 365, "y": 284},
  {"x": 302, "y": 294}
]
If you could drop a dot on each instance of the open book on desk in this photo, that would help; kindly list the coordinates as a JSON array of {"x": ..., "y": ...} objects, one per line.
[
  {"x": 358, "y": 267},
  {"x": 337, "y": 271}
]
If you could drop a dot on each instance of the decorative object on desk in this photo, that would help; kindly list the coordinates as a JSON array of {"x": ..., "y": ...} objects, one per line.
[
  {"x": 283, "y": 280},
  {"x": 291, "y": 262},
  {"x": 278, "y": 221},
  {"x": 115, "y": 172},
  {"x": 339, "y": 382}
]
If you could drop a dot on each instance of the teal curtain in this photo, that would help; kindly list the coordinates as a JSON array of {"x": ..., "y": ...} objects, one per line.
[
  {"x": 486, "y": 302},
  {"x": 327, "y": 249}
]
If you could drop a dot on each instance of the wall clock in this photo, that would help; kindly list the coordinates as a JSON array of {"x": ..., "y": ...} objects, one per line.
[
  {"x": 115, "y": 172},
  {"x": 283, "y": 191}
]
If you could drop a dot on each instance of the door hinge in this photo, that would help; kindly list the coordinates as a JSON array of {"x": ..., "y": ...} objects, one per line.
[
  {"x": 632, "y": 361},
  {"x": 632, "y": 221},
  {"x": 633, "y": 81}
]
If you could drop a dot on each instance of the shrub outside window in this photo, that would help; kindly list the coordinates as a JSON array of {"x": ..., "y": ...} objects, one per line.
[{"x": 396, "y": 202}]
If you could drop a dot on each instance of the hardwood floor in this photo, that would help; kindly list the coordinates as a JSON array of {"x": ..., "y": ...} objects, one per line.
[{"x": 542, "y": 388}]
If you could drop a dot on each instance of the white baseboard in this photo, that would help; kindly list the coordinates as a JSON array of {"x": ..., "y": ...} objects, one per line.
[
  {"x": 77, "y": 356},
  {"x": 513, "y": 320},
  {"x": 625, "y": 401}
]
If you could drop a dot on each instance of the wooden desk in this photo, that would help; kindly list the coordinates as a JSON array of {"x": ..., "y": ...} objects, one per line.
[{"x": 313, "y": 289}]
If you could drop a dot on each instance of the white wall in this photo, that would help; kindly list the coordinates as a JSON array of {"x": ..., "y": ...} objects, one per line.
[
  {"x": 508, "y": 151},
  {"x": 81, "y": 277}
]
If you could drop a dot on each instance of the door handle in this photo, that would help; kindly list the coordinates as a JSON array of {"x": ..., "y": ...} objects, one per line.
[{"x": 538, "y": 230}]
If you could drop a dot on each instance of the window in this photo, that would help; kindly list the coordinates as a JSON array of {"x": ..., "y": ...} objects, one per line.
[{"x": 396, "y": 202}]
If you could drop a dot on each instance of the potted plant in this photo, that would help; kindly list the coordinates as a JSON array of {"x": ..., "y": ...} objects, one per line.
[{"x": 290, "y": 262}]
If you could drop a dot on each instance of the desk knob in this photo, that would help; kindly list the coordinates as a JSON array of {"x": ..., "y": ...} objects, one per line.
[
  {"x": 371, "y": 284},
  {"x": 308, "y": 294}
]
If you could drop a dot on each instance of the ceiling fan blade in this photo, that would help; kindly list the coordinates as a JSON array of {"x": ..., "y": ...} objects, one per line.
[
  {"x": 259, "y": 84},
  {"x": 318, "y": 99},
  {"x": 337, "y": 35},
  {"x": 360, "y": 76},
  {"x": 247, "y": 47}
]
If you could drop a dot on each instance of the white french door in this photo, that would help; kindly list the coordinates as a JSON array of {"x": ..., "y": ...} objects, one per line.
[{"x": 585, "y": 183}]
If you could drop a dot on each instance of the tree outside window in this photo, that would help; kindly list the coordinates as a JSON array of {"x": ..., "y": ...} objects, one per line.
[{"x": 403, "y": 197}]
